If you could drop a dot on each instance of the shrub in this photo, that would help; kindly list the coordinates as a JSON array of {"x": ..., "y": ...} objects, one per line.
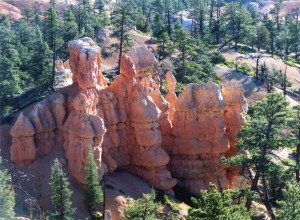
[
  {"x": 230, "y": 64},
  {"x": 245, "y": 68},
  {"x": 216, "y": 58}
]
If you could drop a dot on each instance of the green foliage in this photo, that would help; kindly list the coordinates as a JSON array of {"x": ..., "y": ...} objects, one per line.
[
  {"x": 121, "y": 18},
  {"x": 60, "y": 193},
  {"x": 165, "y": 48},
  {"x": 290, "y": 63},
  {"x": 7, "y": 195},
  {"x": 215, "y": 205},
  {"x": 230, "y": 64},
  {"x": 10, "y": 64},
  {"x": 40, "y": 64},
  {"x": 290, "y": 205},
  {"x": 263, "y": 134},
  {"x": 93, "y": 191},
  {"x": 245, "y": 68},
  {"x": 69, "y": 32},
  {"x": 52, "y": 28},
  {"x": 236, "y": 22},
  {"x": 144, "y": 208},
  {"x": 216, "y": 58}
]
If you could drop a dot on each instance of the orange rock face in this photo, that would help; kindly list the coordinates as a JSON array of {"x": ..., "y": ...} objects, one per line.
[
  {"x": 200, "y": 141},
  {"x": 130, "y": 125},
  {"x": 134, "y": 136},
  {"x": 235, "y": 106}
]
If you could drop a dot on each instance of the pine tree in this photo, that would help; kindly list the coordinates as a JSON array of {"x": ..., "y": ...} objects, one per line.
[
  {"x": 60, "y": 193},
  {"x": 262, "y": 134},
  {"x": 144, "y": 208},
  {"x": 70, "y": 31},
  {"x": 52, "y": 26},
  {"x": 7, "y": 195},
  {"x": 99, "y": 4},
  {"x": 10, "y": 63},
  {"x": 182, "y": 41},
  {"x": 290, "y": 205},
  {"x": 215, "y": 205},
  {"x": 40, "y": 64},
  {"x": 93, "y": 191},
  {"x": 295, "y": 124},
  {"x": 164, "y": 48},
  {"x": 121, "y": 15}
]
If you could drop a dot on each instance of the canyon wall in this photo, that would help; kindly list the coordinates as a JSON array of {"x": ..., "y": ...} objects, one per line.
[{"x": 131, "y": 126}]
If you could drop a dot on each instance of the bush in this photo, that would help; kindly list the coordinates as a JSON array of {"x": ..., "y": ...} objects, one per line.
[
  {"x": 216, "y": 58},
  {"x": 143, "y": 208},
  {"x": 230, "y": 64},
  {"x": 245, "y": 68}
]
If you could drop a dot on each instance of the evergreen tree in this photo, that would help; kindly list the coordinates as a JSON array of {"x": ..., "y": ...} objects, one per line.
[
  {"x": 144, "y": 208},
  {"x": 7, "y": 195},
  {"x": 295, "y": 125},
  {"x": 121, "y": 15},
  {"x": 181, "y": 40},
  {"x": 158, "y": 27},
  {"x": 164, "y": 48},
  {"x": 262, "y": 134},
  {"x": 237, "y": 21},
  {"x": 270, "y": 25},
  {"x": 263, "y": 37},
  {"x": 52, "y": 27},
  {"x": 93, "y": 191},
  {"x": 99, "y": 4},
  {"x": 70, "y": 32},
  {"x": 60, "y": 193},
  {"x": 28, "y": 14},
  {"x": 40, "y": 64},
  {"x": 215, "y": 205},
  {"x": 290, "y": 205},
  {"x": 10, "y": 63}
]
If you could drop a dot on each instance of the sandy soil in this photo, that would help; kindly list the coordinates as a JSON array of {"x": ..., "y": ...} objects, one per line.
[{"x": 293, "y": 73}]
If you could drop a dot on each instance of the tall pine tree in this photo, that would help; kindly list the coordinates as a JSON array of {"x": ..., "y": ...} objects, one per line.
[
  {"x": 121, "y": 15},
  {"x": 40, "y": 65},
  {"x": 60, "y": 193},
  {"x": 260, "y": 136},
  {"x": 93, "y": 191},
  {"x": 52, "y": 26}
]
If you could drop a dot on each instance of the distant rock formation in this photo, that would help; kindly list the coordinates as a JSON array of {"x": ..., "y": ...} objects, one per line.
[{"x": 131, "y": 126}]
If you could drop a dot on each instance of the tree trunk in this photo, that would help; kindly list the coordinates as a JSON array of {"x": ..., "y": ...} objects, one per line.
[
  {"x": 298, "y": 152},
  {"x": 211, "y": 13},
  {"x": 257, "y": 67},
  {"x": 253, "y": 188},
  {"x": 169, "y": 23},
  {"x": 121, "y": 40},
  {"x": 266, "y": 199}
]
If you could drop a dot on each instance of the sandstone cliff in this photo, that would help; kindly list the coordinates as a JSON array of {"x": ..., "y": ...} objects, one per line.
[{"x": 130, "y": 125}]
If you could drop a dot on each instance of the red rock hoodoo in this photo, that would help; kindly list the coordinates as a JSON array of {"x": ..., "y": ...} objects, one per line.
[{"x": 130, "y": 125}]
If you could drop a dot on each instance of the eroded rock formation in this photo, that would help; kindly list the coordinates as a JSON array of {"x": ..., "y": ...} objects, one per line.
[
  {"x": 134, "y": 136},
  {"x": 199, "y": 131},
  {"x": 130, "y": 125}
]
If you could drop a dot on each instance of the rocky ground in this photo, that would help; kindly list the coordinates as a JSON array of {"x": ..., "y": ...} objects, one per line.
[{"x": 293, "y": 73}]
